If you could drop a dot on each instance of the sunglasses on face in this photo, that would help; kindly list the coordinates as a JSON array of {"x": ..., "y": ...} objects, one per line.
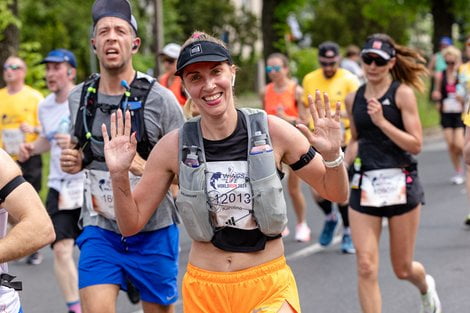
[
  {"x": 450, "y": 63},
  {"x": 12, "y": 67},
  {"x": 275, "y": 68},
  {"x": 326, "y": 64},
  {"x": 169, "y": 60},
  {"x": 367, "y": 59}
]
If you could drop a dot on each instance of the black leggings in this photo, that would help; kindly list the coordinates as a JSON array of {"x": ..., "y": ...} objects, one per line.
[{"x": 327, "y": 207}]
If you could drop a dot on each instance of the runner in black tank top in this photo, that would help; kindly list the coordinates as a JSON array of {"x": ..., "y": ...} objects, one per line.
[
  {"x": 386, "y": 131},
  {"x": 377, "y": 151},
  {"x": 450, "y": 109}
]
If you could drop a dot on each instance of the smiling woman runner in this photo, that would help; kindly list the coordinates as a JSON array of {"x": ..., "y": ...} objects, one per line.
[
  {"x": 230, "y": 197},
  {"x": 385, "y": 124}
]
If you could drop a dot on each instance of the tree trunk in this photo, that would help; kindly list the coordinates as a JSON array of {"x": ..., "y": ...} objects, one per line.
[
  {"x": 267, "y": 21},
  {"x": 443, "y": 19},
  {"x": 10, "y": 43}
]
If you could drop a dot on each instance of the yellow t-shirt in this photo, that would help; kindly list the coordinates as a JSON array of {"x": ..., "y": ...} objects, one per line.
[
  {"x": 337, "y": 88},
  {"x": 21, "y": 107}
]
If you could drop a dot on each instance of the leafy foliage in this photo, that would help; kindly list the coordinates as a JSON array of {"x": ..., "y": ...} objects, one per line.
[{"x": 6, "y": 17}]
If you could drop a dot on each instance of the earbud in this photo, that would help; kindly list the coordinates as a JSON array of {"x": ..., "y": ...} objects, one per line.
[
  {"x": 94, "y": 47},
  {"x": 134, "y": 47},
  {"x": 233, "y": 80},
  {"x": 69, "y": 72}
]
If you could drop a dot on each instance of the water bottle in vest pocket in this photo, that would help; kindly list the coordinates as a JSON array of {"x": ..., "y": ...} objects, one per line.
[{"x": 269, "y": 205}]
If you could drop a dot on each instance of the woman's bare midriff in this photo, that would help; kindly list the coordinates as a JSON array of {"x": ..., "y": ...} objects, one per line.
[{"x": 206, "y": 256}]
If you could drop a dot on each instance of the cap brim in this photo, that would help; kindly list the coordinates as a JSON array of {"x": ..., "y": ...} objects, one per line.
[
  {"x": 202, "y": 58},
  {"x": 53, "y": 60},
  {"x": 384, "y": 55}
]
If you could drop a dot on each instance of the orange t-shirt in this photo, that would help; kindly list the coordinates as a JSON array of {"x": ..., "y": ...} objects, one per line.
[
  {"x": 273, "y": 100},
  {"x": 175, "y": 87}
]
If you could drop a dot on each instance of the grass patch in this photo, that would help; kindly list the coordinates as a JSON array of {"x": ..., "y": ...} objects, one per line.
[{"x": 45, "y": 173}]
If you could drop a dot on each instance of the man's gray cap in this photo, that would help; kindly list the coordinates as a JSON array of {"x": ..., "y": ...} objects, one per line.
[{"x": 115, "y": 8}]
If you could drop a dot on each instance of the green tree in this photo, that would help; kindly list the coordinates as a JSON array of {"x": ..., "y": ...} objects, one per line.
[
  {"x": 352, "y": 21},
  {"x": 9, "y": 24}
]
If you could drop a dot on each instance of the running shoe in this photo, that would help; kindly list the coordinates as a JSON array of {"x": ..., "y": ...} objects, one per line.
[
  {"x": 132, "y": 292},
  {"x": 328, "y": 231},
  {"x": 347, "y": 244},
  {"x": 302, "y": 232},
  {"x": 457, "y": 179},
  {"x": 285, "y": 232},
  {"x": 430, "y": 300},
  {"x": 34, "y": 259},
  {"x": 467, "y": 220}
]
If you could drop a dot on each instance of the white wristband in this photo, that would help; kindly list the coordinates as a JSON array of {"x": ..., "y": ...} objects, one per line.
[{"x": 335, "y": 163}]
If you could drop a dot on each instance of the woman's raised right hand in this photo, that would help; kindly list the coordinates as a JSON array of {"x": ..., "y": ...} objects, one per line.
[{"x": 120, "y": 146}]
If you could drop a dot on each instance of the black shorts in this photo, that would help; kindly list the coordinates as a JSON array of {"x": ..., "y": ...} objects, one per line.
[
  {"x": 65, "y": 221},
  {"x": 32, "y": 171},
  {"x": 452, "y": 120},
  {"x": 414, "y": 196}
]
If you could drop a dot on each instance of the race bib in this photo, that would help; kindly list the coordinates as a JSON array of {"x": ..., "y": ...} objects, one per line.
[
  {"x": 12, "y": 140},
  {"x": 230, "y": 195},
  {"x": 451, "y": 104},
  {"x": 101, "y": 192},
  {"x": 383, "y": 187},
  {"x": 71, "y": 194}
]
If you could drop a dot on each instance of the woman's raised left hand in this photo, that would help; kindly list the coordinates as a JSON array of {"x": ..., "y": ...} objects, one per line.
[{"x": 326, "y": 136}]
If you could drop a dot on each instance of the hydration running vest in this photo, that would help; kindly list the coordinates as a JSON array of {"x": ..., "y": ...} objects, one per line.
[
  {"x": 269, "y": 205},
  {"x": 133, "y": 99}
]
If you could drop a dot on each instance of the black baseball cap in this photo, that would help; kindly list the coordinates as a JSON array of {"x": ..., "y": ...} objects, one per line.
[
  {"x": 201, "y": 51},
  {"x": 115, "y": 8},
  {"x": 380, "y": 47},
  {"x": 328, "y": 49},
  {"x": 59, "y": 56}
]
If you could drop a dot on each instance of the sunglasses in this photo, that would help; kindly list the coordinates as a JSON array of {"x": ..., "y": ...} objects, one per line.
[
  {"x": 367, "y": 59},
  {"x": 450, "y": 63},
  {"x": 275, "y": 68},
  {"x": 12, "y": 67},
  {"x": 169, "y": 60},
  {"x": 326, "y": 64}
]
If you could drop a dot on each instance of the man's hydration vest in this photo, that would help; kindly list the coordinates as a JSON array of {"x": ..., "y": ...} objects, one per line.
[
  {"x": 269, "y": 205},
  {"x": 134, "y": 99}
]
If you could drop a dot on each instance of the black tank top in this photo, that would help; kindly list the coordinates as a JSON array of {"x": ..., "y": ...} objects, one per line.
[
  {"x": 376, "y": 150},
  {"x": 234, "y": 148}
]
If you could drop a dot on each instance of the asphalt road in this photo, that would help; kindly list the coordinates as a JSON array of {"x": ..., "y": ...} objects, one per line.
[{"x": 326, "y": 278}]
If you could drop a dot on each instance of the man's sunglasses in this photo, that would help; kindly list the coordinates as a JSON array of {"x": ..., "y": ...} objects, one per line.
[
  {"x": 368, "y": 59},
  {"x": 326, "y": 64},
  {"x": 169, "y": 60},
  {"x": 275, "y": 68},
  {"x": 12, "y": 67}
]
